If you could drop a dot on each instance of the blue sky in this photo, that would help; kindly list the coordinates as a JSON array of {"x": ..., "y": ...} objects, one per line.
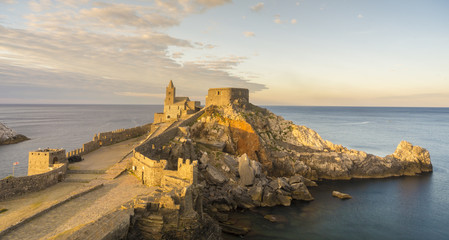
[{"x": 310, "y": 52}]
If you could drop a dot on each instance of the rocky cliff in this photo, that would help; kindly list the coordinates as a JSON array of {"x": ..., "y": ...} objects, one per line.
[
  {"x": 9, "y": 136},
  {"x": 250, "y": 157}
]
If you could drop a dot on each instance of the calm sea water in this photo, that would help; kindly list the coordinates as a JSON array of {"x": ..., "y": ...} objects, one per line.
[
  {"x": 63, "y": 126},
  {"x": 393, "y": 208}
]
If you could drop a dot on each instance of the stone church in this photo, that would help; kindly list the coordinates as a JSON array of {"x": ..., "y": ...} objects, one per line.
[{"x": 176, "y": 107}]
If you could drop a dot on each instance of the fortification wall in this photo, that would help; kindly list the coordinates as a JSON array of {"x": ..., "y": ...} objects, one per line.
[
  {"x": 109, "y": 138},
  {"x": 153, "y": 172},
  {"x": 225, "y": 96},
  {"x": 15, "y": 186},
  {"x": 159, "y": 117}
]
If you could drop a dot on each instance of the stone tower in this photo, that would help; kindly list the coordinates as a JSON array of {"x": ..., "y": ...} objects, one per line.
[
  {"x": 41, "y": 161},
  {"x": 170, "y": 94}
]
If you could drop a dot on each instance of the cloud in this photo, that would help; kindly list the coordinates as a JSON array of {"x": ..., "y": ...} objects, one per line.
[
  {"x": 277, "y": 19},
  {"x": 259, "y": 6},
  {"x": 293, "y": 21},
  {"x": 103, "y": 49},
  {"x": 39, "y": 6},
  {"x": 249, "y": 34},
  {"x": 119, "y": 15},
  {"x": 360, "y": 16},
  {"x": 8, "y": 1},
  {"x": 177, "y": 55}
]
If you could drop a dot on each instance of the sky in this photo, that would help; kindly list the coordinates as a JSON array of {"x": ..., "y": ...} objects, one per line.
[{"x": 302, "y": 52}]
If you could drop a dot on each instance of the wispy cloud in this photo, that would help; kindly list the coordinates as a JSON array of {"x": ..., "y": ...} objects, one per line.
[
  {"x": 8, "y": 1},
  {"x": 249, "y": 34},
  {"x": 259, "y": 6},
  {"x": 293, "y": 21},
  {"x": 39, "y": 6},
  {"x": 277, "y": 19},
  {"x": 360, "y": 16},
  {"x": 115, "y": 48}
]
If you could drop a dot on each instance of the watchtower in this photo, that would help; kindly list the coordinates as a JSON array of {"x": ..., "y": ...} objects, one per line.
[{"x": 40, "y": 161}]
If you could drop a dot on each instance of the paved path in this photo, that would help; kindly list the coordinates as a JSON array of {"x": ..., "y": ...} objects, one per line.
[
  {"x": 116, "y": 190},
  {"x": 107, "y": 156},
  {"x": 82, "y": 210}
]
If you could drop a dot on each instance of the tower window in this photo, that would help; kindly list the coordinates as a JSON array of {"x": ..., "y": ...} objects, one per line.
[{"x": 218, "y": 92}]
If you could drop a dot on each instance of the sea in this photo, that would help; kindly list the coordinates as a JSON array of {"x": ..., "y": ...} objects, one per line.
[{"x": 393, "y": 208}]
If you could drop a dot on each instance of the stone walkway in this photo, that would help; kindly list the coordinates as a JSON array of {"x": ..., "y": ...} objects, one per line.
[
  {"x": 111, "y": 191},
  {"x": 81, "y": 210}
]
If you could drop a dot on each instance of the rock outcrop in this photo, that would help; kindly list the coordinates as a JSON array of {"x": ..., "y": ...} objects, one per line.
[
  {"x": 249, "y": 157},
  {"x": 285, "y": 149},
  {"x": 9, "y": 136},
  {"x": 341, "y": 195}
]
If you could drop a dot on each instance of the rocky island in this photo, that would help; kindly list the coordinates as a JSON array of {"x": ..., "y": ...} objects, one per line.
[{"x": 9, "y": 136}]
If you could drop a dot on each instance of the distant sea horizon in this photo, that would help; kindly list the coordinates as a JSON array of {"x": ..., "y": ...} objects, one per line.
[{"x": 391, "y": 208}]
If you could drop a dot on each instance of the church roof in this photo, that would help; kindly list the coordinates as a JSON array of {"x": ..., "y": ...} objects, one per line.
[
  {"x": 170, "y": 85},
  {"x": 181, "y": 99}
]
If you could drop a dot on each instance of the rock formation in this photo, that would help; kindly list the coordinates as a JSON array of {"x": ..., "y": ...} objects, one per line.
[
  {"x": 9, "y": 136},
  {"x": 249, "y": 157},
  {"x": 341, "y": 195}
]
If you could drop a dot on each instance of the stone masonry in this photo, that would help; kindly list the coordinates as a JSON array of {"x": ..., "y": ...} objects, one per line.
[
  {"x": 41, "y": 161},
  {"x": 175, "y": 107},
  {"x": 225, "y": 96}
]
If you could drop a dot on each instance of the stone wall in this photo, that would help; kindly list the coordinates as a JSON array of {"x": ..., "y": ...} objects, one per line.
[
  {"x": 225, "y": 96},
  {"x": 15, "y": 186},
  {"x": 159, "y": 117},
  {"x": 109, "y": 138},
  {"x": 153, "y": 172}
]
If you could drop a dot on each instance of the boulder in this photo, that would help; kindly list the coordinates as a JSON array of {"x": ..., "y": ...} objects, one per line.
[
  {"x": 246, "y": 172},
  {"x": 257, "y": 168},
  {"x": 255, "y": 192},
  {"x": 214, "y": 176},
  {"x": 270, "y": 218},
  {"x": 341, "y": 195},
  {"x": 231, "y": 163}
]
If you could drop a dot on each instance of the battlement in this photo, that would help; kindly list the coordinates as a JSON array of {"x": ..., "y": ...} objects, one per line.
[{"x": 154, "y": 172}]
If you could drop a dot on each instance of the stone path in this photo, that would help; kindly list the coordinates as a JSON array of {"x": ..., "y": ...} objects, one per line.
[
  {"x": 103, "y": 167},
  {"x": 81, "y": 210}
]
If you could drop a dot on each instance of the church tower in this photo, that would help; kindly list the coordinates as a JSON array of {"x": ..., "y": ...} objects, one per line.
[{"x": 170, "y": 93}]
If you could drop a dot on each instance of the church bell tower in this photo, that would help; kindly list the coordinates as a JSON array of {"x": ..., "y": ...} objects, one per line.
[{"x": 170, "y": 93}]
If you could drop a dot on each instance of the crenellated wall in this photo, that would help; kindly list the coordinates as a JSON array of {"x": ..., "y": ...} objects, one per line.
[
  {"x": 15, "y": 186},
  {"x": 112, "y": 137},
  {"x": 153, "y": 172}
]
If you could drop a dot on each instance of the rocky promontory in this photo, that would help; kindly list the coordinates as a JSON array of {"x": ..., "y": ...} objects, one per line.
[
  {"x": 9, "y": 136},
  {"x": 250, "y": 157}
]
